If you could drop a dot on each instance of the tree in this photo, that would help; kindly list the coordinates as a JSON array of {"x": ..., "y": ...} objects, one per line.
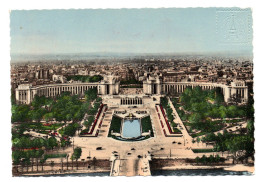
[
  {"x": 37, "y": 114},
  {"x": 210, "y": 137},
  {"x": 198, "y": 140},
  {"x": 240, "y": 143},
  {"x": 62, "y": 143},
  {"x": 48, "y": 116},
  {"x": 222, "y": 112},
  {"x": 195, "y": 118},
  {"x": 91, "y": 94},
  {"x": 71, "y": 129},
  {"x": 197, "y": 159},
  {"x": 42, "y": 161},
  {"x": 52, "y": 165},
  {"x": 232, "y": 111},
  {"x": 52, "y": 142},
  {"x": 38, "y": 154},
  {"x": 20, "y": 113},
  {"x": 17, "y": 155},
  {"x": 94, "y": 162},
  {"x": 164, "y": 101},
  {"x": 95, "y": 78},
  {"x": 76, "y": 154},
  {"x": 250, "y": 127}
]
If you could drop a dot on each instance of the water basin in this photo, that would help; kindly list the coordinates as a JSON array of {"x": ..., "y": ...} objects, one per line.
[{"x": 131, "y": 128}]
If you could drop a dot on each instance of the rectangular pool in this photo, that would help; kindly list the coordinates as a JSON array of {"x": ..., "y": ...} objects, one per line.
[{"x": 131, "y": 128}]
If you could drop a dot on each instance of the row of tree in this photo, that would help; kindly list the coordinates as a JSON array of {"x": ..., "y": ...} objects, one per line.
[
  {"x": 29, "y": 158},
  {"x": 169, "y": 111},
  {"x": 209, "y": 160},
  {"x": 26, "y": 158},
  {"x": 24, "y": 142}
]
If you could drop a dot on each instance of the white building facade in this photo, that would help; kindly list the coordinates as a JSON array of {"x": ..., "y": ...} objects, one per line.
[
  {"x": 25, "y": 93},
  {"x": 152, "y": 86},
  {"x": 155, "y": 85}
]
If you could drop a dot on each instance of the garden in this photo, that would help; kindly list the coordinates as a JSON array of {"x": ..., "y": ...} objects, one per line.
[{"x": 204, "y": 111}]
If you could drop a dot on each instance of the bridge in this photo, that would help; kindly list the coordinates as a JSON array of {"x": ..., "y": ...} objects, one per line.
[{"x": 130, "y": 165}]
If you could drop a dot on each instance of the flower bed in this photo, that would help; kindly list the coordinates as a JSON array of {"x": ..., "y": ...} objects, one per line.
[
  {"x": 167, "y": 123},
  {"x": 95, "y": 122},
  {"x": 174, "y": 135},
  {"x": 161, "y": 123},
  {"x": 99, "y": 126}
]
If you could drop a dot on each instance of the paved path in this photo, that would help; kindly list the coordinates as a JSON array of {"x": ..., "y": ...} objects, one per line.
[
  {"x": 177, "y": 120},
  {"x": 230, "y": 129},
  {"x": 103, "y": 132},
  {"x": 156, "y": 123}
]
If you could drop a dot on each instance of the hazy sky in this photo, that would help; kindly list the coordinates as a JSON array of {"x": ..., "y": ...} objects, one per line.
[{"x": 127, "y": 30}]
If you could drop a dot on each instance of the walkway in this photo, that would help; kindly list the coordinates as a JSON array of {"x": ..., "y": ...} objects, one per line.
[
  {"x": 177, "y": 120},
  {"x": 103, "y": 132},
  {"x": 230, "y": 129}
]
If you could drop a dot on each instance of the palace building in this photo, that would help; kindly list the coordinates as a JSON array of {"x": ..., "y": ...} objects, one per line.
[
  {"x": 25, "y": 93},
  {"x": 152, "y": 85}
]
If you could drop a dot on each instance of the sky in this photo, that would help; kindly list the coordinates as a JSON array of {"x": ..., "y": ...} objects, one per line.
[{"x": 173, "y": 30}]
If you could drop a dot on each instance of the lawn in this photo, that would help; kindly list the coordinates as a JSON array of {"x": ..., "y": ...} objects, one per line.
[
  {"x": 202, "y": 150},
  {"x": 147, "y": 125},
  {"x": 176, "y": 131},
  {"x": 46, "y": 156},
  {"x": 115, "y": 125}
]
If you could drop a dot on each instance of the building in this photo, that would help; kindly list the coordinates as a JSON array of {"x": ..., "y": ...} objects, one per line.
[
  {"x": 155, "y": 85},
  {"x": 152, "y": 85},
  {"x": 25, "y": 93}
]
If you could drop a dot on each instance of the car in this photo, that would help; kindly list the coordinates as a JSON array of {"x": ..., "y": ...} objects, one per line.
[
  {"x": 99, "y": 148},
  {"x": 162, "y": 149},
  {"x": 132, "y": 148},
  {"x": 179, "y": 143},
  {"x": 173, "y": 142},
  {"x": 139, "y": 156}
]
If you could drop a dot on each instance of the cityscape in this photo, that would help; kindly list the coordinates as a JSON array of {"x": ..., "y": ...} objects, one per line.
[{"x": 116, "y": 111}]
